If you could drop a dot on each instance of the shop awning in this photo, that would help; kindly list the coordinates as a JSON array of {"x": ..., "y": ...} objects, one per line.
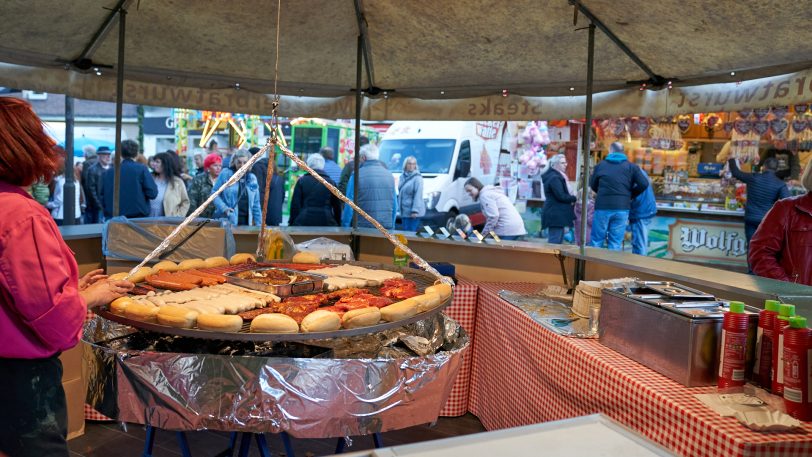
[{"x": 434, "y": 60}]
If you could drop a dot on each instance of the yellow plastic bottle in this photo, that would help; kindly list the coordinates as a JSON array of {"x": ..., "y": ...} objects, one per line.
[{"x": 400, "y": 258}]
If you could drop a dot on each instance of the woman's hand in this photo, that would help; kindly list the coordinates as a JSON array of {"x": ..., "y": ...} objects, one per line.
[
  {"x": 91, "y": 278},
  {"x": 104, "y": 291}
]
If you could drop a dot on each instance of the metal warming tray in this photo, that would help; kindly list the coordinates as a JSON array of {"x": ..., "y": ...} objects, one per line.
[
  {"x": 314, "y": 283},
  {"x": 670, "y": 328}
]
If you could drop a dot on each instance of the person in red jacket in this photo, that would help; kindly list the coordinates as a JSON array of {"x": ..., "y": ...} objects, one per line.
[
  {"x": 781, "y": 248},
  {"x": 43, "y": 302}
]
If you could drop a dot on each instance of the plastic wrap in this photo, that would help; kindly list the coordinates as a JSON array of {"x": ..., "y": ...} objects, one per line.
[
  {"x": 325, "y": 248},
  {"x": 133, "y": 239},
  {"x": 329, "y": 388}
]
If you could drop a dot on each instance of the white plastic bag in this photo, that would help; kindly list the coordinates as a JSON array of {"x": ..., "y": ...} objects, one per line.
[{"x": 326, "y": 249}]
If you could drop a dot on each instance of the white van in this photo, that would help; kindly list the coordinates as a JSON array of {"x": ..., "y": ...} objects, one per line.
[{"x": 447, "y": 153}]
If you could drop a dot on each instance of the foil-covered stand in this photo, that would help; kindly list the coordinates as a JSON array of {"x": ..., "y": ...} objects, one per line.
[{"x": 340, "y": 387}]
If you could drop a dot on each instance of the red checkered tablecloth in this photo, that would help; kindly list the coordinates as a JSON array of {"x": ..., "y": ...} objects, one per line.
[
  {"x": 463, "y": 310},
  {"x": 523, "y": 374}
]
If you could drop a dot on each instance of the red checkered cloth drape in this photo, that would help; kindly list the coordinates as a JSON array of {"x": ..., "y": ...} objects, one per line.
[
  {"x": 463, "y": 310},
  {"x": 522, "y": 374},
  {"x": 90, "y": 413}
]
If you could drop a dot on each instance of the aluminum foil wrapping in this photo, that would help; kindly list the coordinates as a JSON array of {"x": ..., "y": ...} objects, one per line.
[{"x": 329, "y": 388}]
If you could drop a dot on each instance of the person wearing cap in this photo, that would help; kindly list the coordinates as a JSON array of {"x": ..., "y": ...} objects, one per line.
[
  {"x": 312, "y": 204},
  {"x": 93, "y": 183},
  {"x": 616, "y": 181},
  {"x": 781, "y": 248},
  {"x": 201, "y": 185}
]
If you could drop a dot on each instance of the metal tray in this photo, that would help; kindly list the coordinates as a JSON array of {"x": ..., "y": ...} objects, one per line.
[
  {"x": 420, "y": 277},
  {"x": 315, "y": 284},
  {"x": 675, "y": 290}
]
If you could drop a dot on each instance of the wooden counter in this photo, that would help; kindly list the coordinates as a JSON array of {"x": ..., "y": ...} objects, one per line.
[{"x": 511, "y": 261}]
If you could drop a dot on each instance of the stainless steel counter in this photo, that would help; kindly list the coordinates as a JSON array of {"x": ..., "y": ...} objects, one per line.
[{"x": 714, "y": 278}]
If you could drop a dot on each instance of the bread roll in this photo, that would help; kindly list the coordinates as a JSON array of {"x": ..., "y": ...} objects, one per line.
[
  {"x": 214, "y": 262},
  {"x": 274, "y": 323},
  {"x": 188, "y": 264},
  {"x": 219, "y": 322},
  {"x": 141, "y": 312},
  {"x": 175, "y": 316},
  {"x": 400, "y": 310},
  {"x": 443, "y": 289},
  {"x": 243, "y": 257},
  {"x": 120, "y": 304},
  {"x": 139, "y": 275},
  {"x": 305, "y": 257},
  {"x": 321, "y": 321},
  {"x": 362, "y": 317},
  {"x": 165, "y": 265},
  {"x": 428, "y": 301}
]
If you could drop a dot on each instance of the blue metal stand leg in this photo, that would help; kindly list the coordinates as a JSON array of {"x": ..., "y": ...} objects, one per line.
[
  {"x": 378, "y": 440},
  {"x": 232, "y": 443},
  {"x": 184, "y": 444},
  {"x": 149, "y": 441},
  {"x": 286, "y": 443},
  {"x": 245, "y": 444},
  {"x": 262, "y": 444},
  {"x": 340, "y": 446}
]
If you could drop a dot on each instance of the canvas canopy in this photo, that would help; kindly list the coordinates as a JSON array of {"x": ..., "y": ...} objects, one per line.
[{"x": 431, "y": 59}]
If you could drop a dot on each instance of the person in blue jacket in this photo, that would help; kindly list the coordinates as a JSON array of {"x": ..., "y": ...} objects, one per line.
[
  {"x": 643, "y": 210},
  {"x": 239, "y": 203},
  {"x": 376, "y": 193},
  {"x": 137, "y": 187},
  {"x": 616, "y": 181}
]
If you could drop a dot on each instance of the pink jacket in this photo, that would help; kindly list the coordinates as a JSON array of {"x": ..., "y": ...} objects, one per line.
[{"x": 41, "y": 312}]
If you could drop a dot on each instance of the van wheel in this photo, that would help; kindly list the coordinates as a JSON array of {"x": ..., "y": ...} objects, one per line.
[{"x": 449, "y": 222}]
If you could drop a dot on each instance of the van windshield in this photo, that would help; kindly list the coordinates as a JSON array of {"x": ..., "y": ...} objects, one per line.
[{"x": 433, "y": 155}]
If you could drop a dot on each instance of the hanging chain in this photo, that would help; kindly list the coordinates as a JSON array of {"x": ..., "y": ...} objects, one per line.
[
  {"x": 392, "y": 239},
  {"x": 273, "y": 140}
]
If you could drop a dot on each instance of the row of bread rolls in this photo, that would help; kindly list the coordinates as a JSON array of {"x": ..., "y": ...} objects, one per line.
[
  {"x": 170, "y": 266},
  {"x": 177, "y": 315}
]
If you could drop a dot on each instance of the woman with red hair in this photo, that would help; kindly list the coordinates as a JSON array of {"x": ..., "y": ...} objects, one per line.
[{"x": 42, "y": 299}]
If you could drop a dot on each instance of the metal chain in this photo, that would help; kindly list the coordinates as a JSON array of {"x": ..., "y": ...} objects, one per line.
[
  {"x": 272, "y": 142},
  {"x": 392, "y": 239},
  {"x": 231, "y": 181}
]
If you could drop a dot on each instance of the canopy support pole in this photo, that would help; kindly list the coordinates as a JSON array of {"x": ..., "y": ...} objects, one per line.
[
  {"x": 102, "y": 32},
  {"x": 69, "y": 191},
  {"x": 356, "y": 240},
  {"x": 654, "y": 78},
  {"x": 122, "y": 22},
  {"x": 580, "y": 266},
  {"x": 365, "y": 46}
]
